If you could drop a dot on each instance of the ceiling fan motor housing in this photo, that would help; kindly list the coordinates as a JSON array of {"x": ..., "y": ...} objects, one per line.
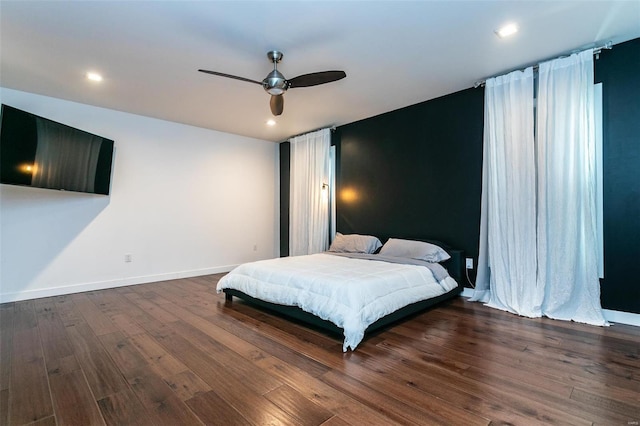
[{"x": 275, "y": 83}]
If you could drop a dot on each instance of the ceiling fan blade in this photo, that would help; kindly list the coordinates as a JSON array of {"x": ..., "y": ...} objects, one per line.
[
  {"x": 277, "y": 104},
  {"x": 316, "y": 78},
  {"x": 231, "y": 76}
]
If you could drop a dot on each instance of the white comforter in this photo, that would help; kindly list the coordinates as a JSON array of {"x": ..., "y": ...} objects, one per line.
[{"x": 351, "y": 293}]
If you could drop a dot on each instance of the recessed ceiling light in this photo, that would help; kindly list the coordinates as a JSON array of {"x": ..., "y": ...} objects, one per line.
[
  {"x": 93, "y": 76},
  {"x": 507, "y": 30},
  {"x": 271, "y": 122}
]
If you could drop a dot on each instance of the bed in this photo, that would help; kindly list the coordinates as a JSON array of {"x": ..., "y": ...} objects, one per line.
[{"x": 356, "y": 287}]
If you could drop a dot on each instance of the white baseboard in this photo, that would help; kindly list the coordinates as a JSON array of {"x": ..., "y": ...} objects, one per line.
[
  {"x": 621, "y": 317},
  {"x": 101, "y": 285},
  {"x": 467, "y": 292},
  {"x": 613, "y": 317}
]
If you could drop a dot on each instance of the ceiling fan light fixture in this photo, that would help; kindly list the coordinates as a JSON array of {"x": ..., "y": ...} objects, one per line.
[
  {"x": 506, "y": 30},
  {"x": 274, "y": 90}
]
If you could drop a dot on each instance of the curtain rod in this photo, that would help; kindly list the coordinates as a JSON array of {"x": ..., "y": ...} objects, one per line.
[
  {"x": 596, "y": 51},
  {"x": 332, "y": 128}
]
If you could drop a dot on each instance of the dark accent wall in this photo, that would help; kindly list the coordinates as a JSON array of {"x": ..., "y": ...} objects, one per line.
[
  {"x": 285, "y": 173},
  {"x": 415, "y": 172},
  {"x": 619, "y": 71}
]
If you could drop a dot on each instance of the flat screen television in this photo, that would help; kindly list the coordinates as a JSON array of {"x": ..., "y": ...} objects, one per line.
[{"x": 38, "y": 152}]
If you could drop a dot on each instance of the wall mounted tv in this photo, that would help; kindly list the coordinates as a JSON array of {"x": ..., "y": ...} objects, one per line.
[{"x": 38, "y": 152}]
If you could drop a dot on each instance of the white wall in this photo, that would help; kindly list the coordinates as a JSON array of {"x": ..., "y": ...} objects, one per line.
[{"x": 184, "y": 201}]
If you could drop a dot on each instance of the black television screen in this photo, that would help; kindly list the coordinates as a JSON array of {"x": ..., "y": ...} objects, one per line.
[{"x": 38, "y": 152}]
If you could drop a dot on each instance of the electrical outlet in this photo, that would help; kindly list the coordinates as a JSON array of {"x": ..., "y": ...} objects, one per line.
[
  {"x": 469, "y": 262},
  {"x": 127, "y": 258}
]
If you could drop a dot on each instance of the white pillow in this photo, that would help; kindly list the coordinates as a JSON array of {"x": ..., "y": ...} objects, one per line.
[
  {"x": 354, "y": 243},
  {"x": 414, "y": 250}
]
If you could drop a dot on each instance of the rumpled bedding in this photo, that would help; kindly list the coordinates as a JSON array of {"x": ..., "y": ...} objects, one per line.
[{"x": 350, "y": 291}]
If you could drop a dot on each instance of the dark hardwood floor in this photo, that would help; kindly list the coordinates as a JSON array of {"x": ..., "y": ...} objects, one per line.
[{"x": 175, "y": 353}]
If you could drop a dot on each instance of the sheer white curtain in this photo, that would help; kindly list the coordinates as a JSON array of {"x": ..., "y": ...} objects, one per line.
[
  {"x": 538, "y": 252},
  {"x": 507, "y": 264},
  {"x": 567, "y": 251},
  {"x": 309, "y": 196}
]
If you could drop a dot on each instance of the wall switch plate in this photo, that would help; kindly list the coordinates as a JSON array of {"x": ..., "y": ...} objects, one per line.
[{"x": 469, "y": 262}]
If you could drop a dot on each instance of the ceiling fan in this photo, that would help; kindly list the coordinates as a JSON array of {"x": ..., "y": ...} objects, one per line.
[{"x": 275, "y": 84}]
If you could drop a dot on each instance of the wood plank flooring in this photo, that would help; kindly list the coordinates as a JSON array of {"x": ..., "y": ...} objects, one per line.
[{"x": 175, "y": 353}]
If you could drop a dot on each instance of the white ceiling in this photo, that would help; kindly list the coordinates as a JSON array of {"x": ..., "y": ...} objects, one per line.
[{"x": 395, "y": 53}]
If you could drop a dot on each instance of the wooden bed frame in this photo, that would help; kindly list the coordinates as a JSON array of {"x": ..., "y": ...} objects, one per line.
[{"x": 455, "y": 266}]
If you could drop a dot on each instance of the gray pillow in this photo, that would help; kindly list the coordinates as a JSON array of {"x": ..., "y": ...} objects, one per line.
[
  {"x": 414, "y": 250},
  {"x": 354, "y": 243}
]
